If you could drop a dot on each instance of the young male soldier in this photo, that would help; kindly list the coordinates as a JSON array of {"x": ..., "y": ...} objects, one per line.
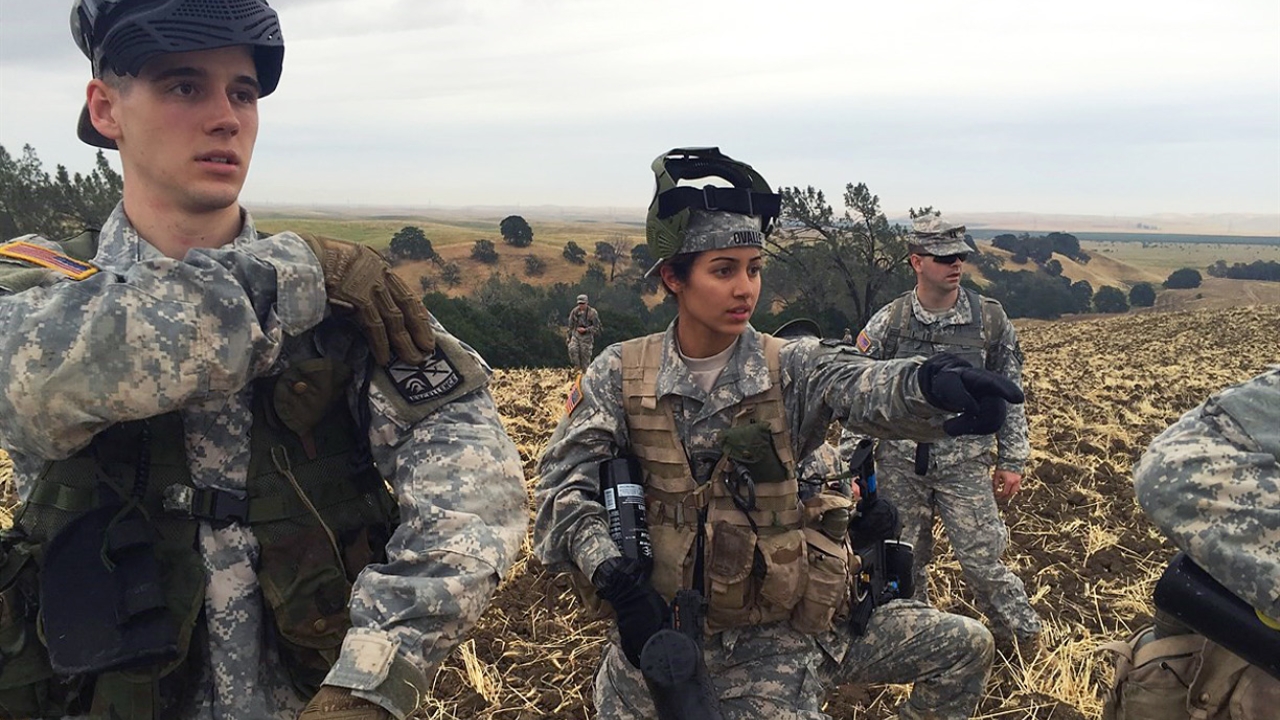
[
  {"x": 959, "y": 478},
  {"x": 236, "y": 503},
  {"x": 583, "y": 327}
]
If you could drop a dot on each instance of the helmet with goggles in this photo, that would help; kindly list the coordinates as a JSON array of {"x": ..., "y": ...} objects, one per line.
[
  {"x": 685, "y": 219},
  {"x": 121, "y": 35}
]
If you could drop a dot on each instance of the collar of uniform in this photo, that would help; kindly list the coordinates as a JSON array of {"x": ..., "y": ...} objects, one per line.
[
  {"x": 958, "y": 314},
  {"x": 120, "y": 247},
  {"x": 746, "y": 369}
]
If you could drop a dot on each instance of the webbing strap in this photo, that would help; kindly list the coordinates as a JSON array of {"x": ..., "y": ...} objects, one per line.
[{"x": 735, "y": 200}]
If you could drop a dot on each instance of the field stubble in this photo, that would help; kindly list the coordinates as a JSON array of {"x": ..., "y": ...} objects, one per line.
[{"x": 1098, "y": 391}]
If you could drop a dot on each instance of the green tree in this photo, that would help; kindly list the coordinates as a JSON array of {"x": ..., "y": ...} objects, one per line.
[
  {"x": 574, "y": 253},
  {"x": 58, "y": 207},
  {"x": 1110, "y": 300},
  {"x": 484, "y": 251},
  {"x": 515, "y": 231},
  {"x": 1183, "y": 278},
  {"x": 451, "y": 274},
  {"x": 642, "y": 257},
  {"x": 410, "y": 243},
  {"x": 1142, "y": 295},
  {"x": 534, "y": 265},
  {"x": 1081, "y": 296},
  {"x": 1053, "y": 267},
  {"x": 844, "y": 267}
]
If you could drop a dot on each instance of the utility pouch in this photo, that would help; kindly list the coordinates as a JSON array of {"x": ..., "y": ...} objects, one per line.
[
  {"x": 826, "y": 591},
  {"x": 309, "y": 594},
  {"x": 729, "y": 565},
  {"x": 105, "y": 551},
  {"x": 785, "y": 572},
  {"x": 750, "y": 447},
  {"x": 26, "y": 680}
]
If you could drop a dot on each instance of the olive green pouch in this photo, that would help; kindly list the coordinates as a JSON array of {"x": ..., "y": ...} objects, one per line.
[{"x": 750, "y": 447}]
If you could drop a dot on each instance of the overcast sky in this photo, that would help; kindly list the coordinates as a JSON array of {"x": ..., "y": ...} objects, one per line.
[{"x": 1092, "y": 106}]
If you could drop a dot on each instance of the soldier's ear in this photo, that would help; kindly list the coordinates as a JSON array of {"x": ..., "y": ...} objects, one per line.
[{"x": 103, "y": 102}]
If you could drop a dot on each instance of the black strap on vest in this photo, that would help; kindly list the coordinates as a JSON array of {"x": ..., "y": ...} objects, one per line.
[{"x": 724, "y": 199}]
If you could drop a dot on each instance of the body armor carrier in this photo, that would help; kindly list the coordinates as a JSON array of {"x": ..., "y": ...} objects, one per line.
[
  {"x": 318, "y": 507},
  {"x": 976, "y": 341},
  {"x": 766, "y": 559}
]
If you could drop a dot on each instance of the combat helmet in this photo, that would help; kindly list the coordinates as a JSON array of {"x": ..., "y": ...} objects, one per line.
[
  {"x": 677, "y": 210},
  {"x": 121, "y": 35}
]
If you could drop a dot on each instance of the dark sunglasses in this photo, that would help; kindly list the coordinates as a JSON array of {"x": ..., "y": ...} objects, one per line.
[{"x": 949, "y": 259}]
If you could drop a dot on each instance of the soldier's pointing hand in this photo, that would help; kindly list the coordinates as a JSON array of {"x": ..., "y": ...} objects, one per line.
[{"x": 980, "y": 396}]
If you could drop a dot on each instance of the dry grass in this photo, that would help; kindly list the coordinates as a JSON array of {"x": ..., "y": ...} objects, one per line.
[{"x": 1098, "y": 391}]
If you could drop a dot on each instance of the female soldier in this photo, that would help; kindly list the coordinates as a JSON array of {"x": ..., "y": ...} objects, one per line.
[{"x": 717, "y": 415}]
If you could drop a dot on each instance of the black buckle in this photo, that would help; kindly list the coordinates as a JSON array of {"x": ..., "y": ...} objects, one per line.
[
  {"x": 709, "y": 197},
  {"x": 218, "y": 506}
]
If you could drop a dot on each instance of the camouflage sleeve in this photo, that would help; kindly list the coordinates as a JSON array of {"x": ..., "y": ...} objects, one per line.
[
  {"x": 1012, "y": 446},
  {"x": 597, "y": 326},
  {"x": 570, "y": 529},
  {"x": 869, "y": 342},
  {"x": 1214, "y": 489},
  {"x": 84, "y": 355},
  {"x": 463, "y": 517},
  {"x": 825, "y": 381}
]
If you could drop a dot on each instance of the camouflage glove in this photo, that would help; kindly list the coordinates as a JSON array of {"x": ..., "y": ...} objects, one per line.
[
  {"x": 335, "y": 703},
  {"x": 980, "y": 396},
  {"x": 357, "y": 279}
]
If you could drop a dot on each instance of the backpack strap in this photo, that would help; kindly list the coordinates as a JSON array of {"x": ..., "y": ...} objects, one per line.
[{"x": 898, "y": 319}]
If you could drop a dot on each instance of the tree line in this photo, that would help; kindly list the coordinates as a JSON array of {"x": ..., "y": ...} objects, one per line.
[
  {"x": 834, "y": 266},
  {"x": 60, "y": 205}
]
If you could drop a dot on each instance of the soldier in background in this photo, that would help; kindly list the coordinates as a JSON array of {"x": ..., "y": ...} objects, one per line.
[
  {"x": 583, "y": 328},
  {"x": 959, "y": 479},
  {"x": 257, "y": 479}
]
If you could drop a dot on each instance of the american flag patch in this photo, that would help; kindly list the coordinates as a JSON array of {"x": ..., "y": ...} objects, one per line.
[
  {"x": 52, "y": 259},
  {"x": 575, "y": 396},
  {"x": 863, "y": 343}
]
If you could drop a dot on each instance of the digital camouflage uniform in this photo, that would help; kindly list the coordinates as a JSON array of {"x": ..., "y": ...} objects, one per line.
[
  {"x": 957, "y": 485},
  {"x": 583, "y": 328},
  {"x": 149, "y": 335},
  {"x": 1211, "y": 483},
  {"x": 770, "y": 670}
]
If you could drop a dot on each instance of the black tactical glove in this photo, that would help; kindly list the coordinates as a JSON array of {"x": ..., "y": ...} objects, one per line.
[
  {"x": 640, "y": 609},
  {"x": 950, "y": 383}
]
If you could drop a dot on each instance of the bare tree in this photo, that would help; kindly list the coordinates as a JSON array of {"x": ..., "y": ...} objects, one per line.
[{"x": 848, "y": 264}]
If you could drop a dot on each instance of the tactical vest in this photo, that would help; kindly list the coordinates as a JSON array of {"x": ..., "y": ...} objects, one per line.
[
  {"x": 764, "y": 565},
  {"x": 977, "y": 341},
  {"x": 316, "y": 504}
]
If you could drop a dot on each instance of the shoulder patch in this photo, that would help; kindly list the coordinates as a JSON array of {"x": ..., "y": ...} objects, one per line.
[
  {"x": 45, "y": 257},
  {"x": 575, "y": 396},
  {"x": 863, "y": 343},
  {"x": 418, "y": 384},
  {"x": 416, "y": 391}
]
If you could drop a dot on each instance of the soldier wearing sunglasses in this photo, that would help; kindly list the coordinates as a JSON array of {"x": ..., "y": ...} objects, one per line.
[{"x": 959, "y": 479}]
